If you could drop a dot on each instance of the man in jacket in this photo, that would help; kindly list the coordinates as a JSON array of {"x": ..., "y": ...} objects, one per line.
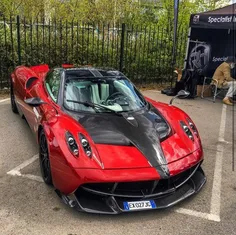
[{"x": 223, "y": 76}]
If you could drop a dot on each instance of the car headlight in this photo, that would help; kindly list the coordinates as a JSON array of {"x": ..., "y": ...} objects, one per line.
[
  {"x": 192, "y": 126},
  {"x": 86, "y": 146},
  {"x": 71, "y": 143},
  {"x": 187, "y": 130}
]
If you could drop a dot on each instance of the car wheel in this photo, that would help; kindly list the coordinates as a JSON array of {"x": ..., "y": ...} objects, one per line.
[
  {"x": 44, "y": 159},
  {"x": 13, "y": 101}
]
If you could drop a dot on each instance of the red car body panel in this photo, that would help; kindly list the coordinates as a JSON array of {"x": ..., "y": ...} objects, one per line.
[
  {"x": 62, "y": 171},
  {"x": 69, "y": 172}
]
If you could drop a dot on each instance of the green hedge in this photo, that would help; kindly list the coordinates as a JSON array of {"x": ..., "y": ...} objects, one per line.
[{"x": 147, "y": 54}]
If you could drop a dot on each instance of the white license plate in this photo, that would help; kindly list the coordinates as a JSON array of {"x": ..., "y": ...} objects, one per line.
[{"x": 139, "y": 205}]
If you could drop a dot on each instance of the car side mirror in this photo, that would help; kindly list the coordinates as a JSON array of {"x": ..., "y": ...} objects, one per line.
[
  {"x": 34, "y": 102},
  {"x": 181, "y": 94}
]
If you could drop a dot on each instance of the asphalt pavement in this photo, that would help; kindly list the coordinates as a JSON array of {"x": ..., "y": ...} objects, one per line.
[{"x": 28, "y": 206}]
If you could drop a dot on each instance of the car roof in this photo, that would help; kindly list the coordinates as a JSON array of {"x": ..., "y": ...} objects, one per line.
[{"x": 88, "y": 72}]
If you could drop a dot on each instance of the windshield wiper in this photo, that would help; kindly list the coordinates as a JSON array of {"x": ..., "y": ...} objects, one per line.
[{"x": 93, "y": 105}]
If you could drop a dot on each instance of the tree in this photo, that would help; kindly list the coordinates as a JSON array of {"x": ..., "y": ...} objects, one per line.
[
  {"x": 26, "y": 8},
  {"x": 109, "y": 11}
]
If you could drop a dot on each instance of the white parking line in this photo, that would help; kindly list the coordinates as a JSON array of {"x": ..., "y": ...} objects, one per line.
[
  {"x": 1, "y": 101},
  {"x": 16, "y": 170},
  {"x": 33, "y": 177},
  {"x": 216, "y": 189},
  {"x": 214, "y": 214},
  {"x": 198, "y": 214}
]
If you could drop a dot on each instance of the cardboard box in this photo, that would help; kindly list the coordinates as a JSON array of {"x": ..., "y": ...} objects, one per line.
[{"x": 207, "y": 90}]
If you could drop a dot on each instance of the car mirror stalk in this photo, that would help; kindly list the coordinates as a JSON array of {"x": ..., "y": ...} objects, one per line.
[{"x": 181, "y": 94}]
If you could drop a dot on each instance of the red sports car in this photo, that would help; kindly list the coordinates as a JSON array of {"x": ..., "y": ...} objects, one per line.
[{"x": 104, "y": 146}]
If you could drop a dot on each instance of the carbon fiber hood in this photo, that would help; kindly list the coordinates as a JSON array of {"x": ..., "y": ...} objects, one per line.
[{"x": 143, "y": 129}]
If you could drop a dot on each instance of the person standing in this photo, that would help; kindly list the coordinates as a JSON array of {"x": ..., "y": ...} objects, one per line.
[{"x": 223, "y": 76}]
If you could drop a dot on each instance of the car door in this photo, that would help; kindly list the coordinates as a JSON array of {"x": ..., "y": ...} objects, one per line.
[
  {"x": 19, "y": 79},
  {"x": 48, "y": 91}
]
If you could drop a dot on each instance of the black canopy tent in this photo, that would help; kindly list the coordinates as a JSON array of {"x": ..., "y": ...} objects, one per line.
[{"x": 211, "y": 39}]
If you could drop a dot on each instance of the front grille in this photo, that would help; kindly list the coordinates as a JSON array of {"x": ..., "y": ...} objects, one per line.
[
  {"x": 135, "y": 188},
  {"x": 141, "y": 189}
]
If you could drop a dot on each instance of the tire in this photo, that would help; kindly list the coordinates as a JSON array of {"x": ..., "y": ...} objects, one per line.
[
  {"x": 13, "y": 101},
  {"x": 44, "y": 159}
]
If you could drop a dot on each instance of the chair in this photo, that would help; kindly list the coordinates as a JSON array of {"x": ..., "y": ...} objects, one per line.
[
  {"x": 96, "y": 97},
  {"x": 213, "y": 85},
  {"x": 78, "y": 94}
]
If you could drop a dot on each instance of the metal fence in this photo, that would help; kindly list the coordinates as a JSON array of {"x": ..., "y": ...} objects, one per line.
[{"x": 143, "y": 53}]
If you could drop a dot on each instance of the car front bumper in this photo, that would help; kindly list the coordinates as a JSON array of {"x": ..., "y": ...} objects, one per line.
[{"x": 109, "y": 198}]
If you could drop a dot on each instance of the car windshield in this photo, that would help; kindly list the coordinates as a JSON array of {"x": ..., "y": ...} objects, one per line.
[{"x": 109, "y": 93}]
